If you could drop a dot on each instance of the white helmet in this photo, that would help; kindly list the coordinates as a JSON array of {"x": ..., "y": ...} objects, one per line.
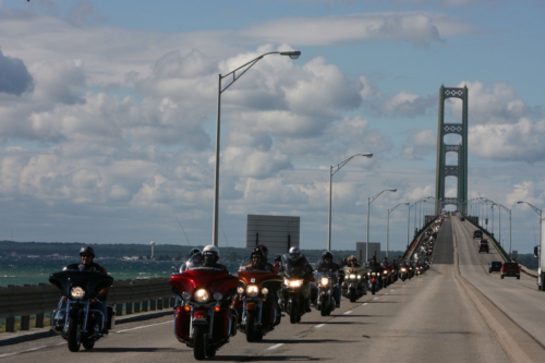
[
  {"x": 295, "y": 252},
  {"x": 211, "y": 249}
]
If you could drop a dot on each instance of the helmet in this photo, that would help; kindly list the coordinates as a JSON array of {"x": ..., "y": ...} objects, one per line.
[
  {"x": 264, "y": 251},
  {"x": 352, "y": 258},
  {"x": 86, "y": 250},
  {"x": 194, "y": 251},
  {"x": 327, "y": 254},
  {"x": 211, "y": 250},
  {"x": 295, "y": 252},
  {"x": 257, "y": 251}
]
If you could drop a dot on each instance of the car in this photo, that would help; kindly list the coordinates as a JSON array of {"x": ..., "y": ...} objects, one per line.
[
  {"x": 494, "y": 266},
  {"x": 477, "y": 234},
  {"x": 483, "y": 246},
  {"x": 462, "y": 218},
  {"x": 510, "y": 269}
]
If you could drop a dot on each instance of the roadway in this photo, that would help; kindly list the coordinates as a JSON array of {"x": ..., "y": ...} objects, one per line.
[{"x": 437, "y": 317}]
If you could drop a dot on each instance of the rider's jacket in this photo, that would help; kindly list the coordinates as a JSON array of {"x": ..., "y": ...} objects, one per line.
[
  {"x": 327, "y": 267},
  {"x": 263, "y": 266}
]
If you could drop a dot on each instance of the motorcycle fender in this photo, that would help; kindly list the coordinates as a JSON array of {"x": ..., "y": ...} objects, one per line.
[
  {"x": 373, "y": 280},
  {"x": 250, "y": 306},
  {"x": 199, "y": 321}
]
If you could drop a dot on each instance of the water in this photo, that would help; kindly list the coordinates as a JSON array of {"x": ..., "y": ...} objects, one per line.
[{"x": 34, "y": 270}]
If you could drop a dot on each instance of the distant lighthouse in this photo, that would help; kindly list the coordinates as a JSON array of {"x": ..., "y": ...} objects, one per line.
[{"x": 152, "y": 244}]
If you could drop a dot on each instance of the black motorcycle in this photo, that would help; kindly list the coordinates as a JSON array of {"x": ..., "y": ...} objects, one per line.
[
  {"x": 353, "y": 285},
  {"x": 295, "y": 291},
  {"x": 326, "y": 283},
  {"x": 80, "y": 318}
]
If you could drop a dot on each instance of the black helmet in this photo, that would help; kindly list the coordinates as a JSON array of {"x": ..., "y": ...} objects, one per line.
[
  {"x": 194, "y": 251},
  {"x": 295, "y": 252},
  {"x": 87, "y": 250},
  {"x": 327, "y": 254},
  {"x": 264, "y": 251},
  {"x": 259, "y": 252}
]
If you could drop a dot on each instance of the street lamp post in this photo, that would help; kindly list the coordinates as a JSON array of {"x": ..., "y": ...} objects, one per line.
[
  {"x": 331, "y": 173},
  {"x": 388, "y": 226},
  {"x": 540, "y": 214},
  {"x": 369, "y": 201},
  {"x": 294, "y": 54}
]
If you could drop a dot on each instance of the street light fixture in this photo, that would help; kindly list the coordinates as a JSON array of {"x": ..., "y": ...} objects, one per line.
[
  {"x": 293, "y": 54},
  {"x": 369, "y": 201},
  {"x": 331, "y": 173},
  {"x": 388, "y": 226},
  {"x": 540, "y": 214}
]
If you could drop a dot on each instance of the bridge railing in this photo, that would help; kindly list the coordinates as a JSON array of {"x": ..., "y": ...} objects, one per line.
[{"x": 20, "y": 303}]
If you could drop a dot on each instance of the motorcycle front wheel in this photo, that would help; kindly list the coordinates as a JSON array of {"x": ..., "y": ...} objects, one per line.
[
  {"x": 199, "y": 342},
  {"x": 294, "y": 313},
  {"x": 74, "y": 335},
  {"x": 250, "y": 327},
  {"x": 353, "y": 296},
  {"x": 324, "y": 308}
]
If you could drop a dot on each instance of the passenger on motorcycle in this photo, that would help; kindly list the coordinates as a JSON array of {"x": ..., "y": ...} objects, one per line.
[
  {"x": 192, "y": 253},
  {"x": 87, "y": 255},
  {"x": 327, "y": 265},
  {"x": 258, "y": 261}
]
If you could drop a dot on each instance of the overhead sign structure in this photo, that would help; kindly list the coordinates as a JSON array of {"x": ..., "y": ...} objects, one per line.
[{"x": 278, "y": 233}]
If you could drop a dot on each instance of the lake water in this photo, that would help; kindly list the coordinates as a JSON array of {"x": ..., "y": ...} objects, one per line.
[{"x": 34, "y": 270}]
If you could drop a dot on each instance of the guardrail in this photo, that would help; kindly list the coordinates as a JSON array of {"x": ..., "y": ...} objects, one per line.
[{"x": 127, "y": 296}]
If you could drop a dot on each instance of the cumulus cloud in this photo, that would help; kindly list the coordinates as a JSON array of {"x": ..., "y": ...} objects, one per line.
[
  {"x": 423, "y": 143},
  {"x": 520, "y": 141},
  {"x": 418, "y": 28},
  {"x": 14, "y": 76}
]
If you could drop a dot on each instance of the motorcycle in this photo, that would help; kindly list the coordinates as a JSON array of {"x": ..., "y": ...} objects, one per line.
[
  {"x": 375, "y": 278},
  {"x": 256, "y": 303},
  {"x": 79, "y": 318},
  {"x": 326, "y": 283},
  {"x": 295, "y": 288},
  {"x": 353, "y": 286},
  {"x": 404, "y": 273},
  {"x": 204, "y": 320}
]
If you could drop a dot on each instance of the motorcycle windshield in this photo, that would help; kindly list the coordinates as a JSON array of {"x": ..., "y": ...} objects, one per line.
[
  {"x": 354, "y": 271},
  {"x": 293, "y": 268},
  {"x": 90, "y": 281},
  {"x": 194, "y": 261}
]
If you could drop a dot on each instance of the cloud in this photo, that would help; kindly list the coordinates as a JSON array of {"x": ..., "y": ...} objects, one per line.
[
  {"x": 14, "y": 76},
  {"x": 416, "y": 27},
  {"x": 520, "y": 141},
  {"x": 423, "y": 143}
]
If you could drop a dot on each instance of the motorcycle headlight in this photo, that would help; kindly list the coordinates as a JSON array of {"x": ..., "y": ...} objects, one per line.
[
  {"x": 264, "y": 291},
  {"x": 252, "y": 290},
  {"x": 385, "y": 272},
  {"x": 324, "y": 281},
  {"x": 352, "y": 276},
  {"x": 359, "y": 277},
  {"x": 77, "y": 293},
  {"x": 240, "y": 290},
  {"x": 218, "y": 296},
  {"x": 186, "y": 295},
  {"x": 403, "y": 269},
  {"x": 373, "y": 273},
  {"x": 294, "y": 283},
  {"x": 202, "y": 296}
]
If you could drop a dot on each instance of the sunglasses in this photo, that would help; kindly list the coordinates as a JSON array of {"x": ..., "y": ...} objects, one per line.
[{"x": 85, "y": 256}]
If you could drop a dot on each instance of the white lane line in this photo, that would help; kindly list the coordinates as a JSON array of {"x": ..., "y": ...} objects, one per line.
[
  {"x": 275, "y": 346},
  {"x": 347, "y": 312},
  {"x": 363, "y": 304},
  {"x": 319, "y": 326},
  {"x": 30, "y": 350},
  {"x": 375, "y": 298},
  {"x": 143, "y": 326}
]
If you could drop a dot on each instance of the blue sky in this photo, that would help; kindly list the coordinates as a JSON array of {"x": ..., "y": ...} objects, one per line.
[{"x": 107, "y": 115}]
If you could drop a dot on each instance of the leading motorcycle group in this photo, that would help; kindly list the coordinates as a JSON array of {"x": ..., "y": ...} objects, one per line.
[{"x": 211, "y": 304}]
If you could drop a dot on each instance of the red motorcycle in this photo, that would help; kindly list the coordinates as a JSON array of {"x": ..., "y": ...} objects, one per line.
[
  {"x": 204, "y": 320},
  {"x": 256, "y": 303}
]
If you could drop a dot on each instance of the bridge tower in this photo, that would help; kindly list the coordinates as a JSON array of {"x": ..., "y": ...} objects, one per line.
[{"x": 460, "y": 169}]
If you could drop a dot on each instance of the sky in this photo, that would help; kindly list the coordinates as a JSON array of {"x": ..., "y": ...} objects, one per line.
[{"x": 108, "y": 115}]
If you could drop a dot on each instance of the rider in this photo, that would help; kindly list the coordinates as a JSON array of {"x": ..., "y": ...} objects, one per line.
[
  {"x": 265, "y": 252},
  {"x": 87, "y": 255},
  {"x": 352, "y": 261},
  {"x": 211, "y": 256},
  {"x": 327, "y": 265},
  {"x": 309, "y": 290},
  {"x": 259, "y": 261}
]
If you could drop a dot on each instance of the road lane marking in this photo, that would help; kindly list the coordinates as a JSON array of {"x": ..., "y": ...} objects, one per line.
[
  {"x": 30, "y": 350},
  {"x": 347, "y": 312},
  {"x": 363, "y": 304},
  {"x": 375, "y": 298},
  {"x": 319, "y": 326},
  {"x": 275, "y": 346},
  {"x": 143, "y": 326}
]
